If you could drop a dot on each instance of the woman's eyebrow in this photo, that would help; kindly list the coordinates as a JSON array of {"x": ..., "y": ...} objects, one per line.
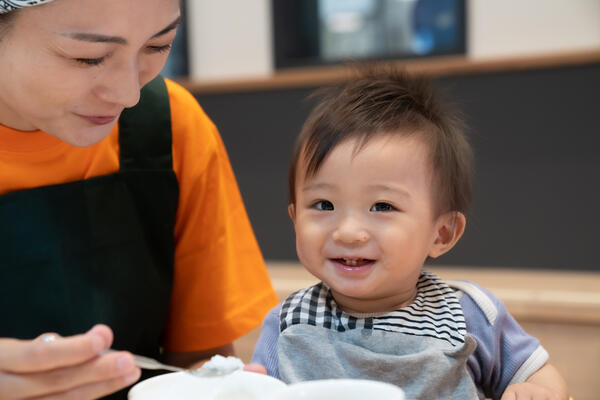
[
  {"x": 98, "y": 38},
  {"x": 170, "y": 27},
  {"x": 95, "y": 38}
]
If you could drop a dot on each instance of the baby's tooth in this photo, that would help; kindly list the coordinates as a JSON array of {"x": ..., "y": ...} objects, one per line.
[{"x": 352, "y": 261}]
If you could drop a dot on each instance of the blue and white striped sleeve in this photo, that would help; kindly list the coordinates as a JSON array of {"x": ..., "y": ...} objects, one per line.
[
  {"x": 505, "y": 353},
  {"x": 265, "y": 351}
]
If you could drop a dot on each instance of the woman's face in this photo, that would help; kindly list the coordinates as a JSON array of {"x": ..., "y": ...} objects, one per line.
[{"x": 70, "y": 67}]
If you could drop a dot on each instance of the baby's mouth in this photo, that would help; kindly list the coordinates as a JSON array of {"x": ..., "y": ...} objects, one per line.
[{"x": 353, "y": 262}]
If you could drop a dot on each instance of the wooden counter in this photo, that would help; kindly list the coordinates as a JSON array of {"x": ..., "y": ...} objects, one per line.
[{"x": 529, "y": 295}]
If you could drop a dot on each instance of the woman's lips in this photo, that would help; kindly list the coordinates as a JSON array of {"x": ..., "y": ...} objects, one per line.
[{"x": 99, "y": 119}]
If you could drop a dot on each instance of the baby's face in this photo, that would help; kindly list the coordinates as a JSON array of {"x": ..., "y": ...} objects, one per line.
[{"x": 365, "y": 222}]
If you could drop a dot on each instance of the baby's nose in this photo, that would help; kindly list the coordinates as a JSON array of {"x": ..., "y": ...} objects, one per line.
[{"x": 350, "y": 231}]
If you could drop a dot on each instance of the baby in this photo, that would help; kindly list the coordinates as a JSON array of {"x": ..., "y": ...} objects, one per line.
[{"x": 380, "y": 181}]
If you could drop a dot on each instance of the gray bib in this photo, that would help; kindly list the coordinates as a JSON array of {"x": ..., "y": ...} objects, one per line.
[{"x": 423, "y": 348}]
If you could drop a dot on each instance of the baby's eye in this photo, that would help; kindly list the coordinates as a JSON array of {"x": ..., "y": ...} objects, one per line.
[
  {"x": 382, "y": 207},
  {"x": 323, "y": 205}
]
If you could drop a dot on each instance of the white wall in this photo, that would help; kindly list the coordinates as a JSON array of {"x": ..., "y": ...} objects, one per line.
[
  {"x": 499, "y": 28},
  {"x": 231, "y": 39}
]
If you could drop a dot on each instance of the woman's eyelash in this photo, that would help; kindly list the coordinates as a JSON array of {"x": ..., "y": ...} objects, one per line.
[
  {"x": 100, "y": 60},
  {"x": 161, "y": 49},
  {"x": 90, "y": 61}
]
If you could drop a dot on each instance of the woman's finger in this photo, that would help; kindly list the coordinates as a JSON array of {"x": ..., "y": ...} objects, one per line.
[
  {"x": 48, "y": 337},
  {"x": 50, "y": 351},
  {"x": 95, "y": 390},
  {"x": 111, "y": 366},
  {"x": 103, "y": 331}
]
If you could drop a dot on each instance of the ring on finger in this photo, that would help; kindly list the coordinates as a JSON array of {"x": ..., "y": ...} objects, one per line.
[{"x": 48, "y": 337}]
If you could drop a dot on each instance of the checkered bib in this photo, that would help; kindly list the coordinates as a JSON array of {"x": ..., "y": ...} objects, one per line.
[{"x": 423, "y": 348}]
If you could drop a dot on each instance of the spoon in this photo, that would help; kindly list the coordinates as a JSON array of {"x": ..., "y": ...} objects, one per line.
[{"x": 209, "y": 369}]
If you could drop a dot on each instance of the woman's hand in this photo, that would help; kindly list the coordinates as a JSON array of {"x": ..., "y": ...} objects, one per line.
[{"x": 52, "y": 367}]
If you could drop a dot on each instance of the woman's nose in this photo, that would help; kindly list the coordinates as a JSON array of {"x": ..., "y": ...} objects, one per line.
[
  {"x": 350, "y": 231},
  {"x": 122, "y": 86}
]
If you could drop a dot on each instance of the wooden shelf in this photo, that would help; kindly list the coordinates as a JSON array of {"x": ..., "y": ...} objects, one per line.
[{"x": 435, "y": 67}]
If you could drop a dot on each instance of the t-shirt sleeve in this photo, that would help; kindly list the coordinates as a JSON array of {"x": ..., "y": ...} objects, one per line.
[
  {"x": 505, "y": 353},
  {"x": 221, "y": 287},
  {"x": 265, "y": 352}
]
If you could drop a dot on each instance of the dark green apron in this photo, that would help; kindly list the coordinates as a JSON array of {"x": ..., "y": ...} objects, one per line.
[{"x": 99, "y": 250}]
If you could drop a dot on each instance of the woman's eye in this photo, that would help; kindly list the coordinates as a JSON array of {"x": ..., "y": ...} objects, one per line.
[
  {"x": 323, "y": 205},
  {"x": 160, "y": 49},
  {"x": 382, "y": 207},
  {"x": 91, "y": 61}
]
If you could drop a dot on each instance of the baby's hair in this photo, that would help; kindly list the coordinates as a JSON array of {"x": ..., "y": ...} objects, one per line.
[{"x": 383, "y": 100}]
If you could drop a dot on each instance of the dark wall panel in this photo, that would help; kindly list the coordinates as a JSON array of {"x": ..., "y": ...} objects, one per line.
[{"x": 536, "y": 136}]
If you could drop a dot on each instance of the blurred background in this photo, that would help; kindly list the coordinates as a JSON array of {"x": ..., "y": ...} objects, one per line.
[{"x": 526, "y": 76}]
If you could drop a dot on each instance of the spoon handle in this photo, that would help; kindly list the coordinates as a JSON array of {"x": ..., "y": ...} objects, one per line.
[
  {"x": 150, "y": 363},
  {"x": 204, "y": 371}
]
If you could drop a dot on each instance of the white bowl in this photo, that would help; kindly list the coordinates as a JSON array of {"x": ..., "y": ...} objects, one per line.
[
  {"x": 339, "y": 389},
  {"x": 240, "y": 385}
]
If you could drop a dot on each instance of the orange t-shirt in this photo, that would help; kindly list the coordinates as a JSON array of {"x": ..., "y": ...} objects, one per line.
[{"x": 221, "y": 288}]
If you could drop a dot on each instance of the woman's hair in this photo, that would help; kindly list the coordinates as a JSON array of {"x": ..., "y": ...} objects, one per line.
[{"x": 386, "y": 101}]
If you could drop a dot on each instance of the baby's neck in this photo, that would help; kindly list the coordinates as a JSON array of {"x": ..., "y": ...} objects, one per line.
[{"x": 373, "y": 307}]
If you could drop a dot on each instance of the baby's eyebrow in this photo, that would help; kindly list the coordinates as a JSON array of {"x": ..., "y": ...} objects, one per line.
[
  {"x": 389, "y": 188},
  {"x": 317, "y": 186}
]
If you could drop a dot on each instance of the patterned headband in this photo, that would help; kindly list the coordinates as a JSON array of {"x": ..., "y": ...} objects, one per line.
[{"x": 9, "y": 5}]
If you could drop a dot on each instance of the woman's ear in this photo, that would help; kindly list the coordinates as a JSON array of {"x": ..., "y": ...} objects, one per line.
[
  {"x": 449, "y": 229},
  {"x": 292, "y": 212}
]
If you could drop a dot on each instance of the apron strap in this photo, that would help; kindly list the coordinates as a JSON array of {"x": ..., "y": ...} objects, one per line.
[{"x": 145, "y": 130}]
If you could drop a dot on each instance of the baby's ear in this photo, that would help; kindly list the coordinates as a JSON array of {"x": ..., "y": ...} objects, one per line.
[
  {"x": 292, "y": 212},
  {"x": 449, "y": 229}
]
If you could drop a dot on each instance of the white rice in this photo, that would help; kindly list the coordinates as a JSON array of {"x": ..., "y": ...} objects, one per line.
[{"x": 220, "y": 363}]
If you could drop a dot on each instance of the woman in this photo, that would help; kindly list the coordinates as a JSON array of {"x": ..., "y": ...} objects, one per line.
[{"x": 122, "y": 225}]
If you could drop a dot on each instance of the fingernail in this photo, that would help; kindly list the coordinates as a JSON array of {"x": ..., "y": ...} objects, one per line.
[
  {"x": 125, "y": 363},
  {"x": 97, "y": 343},
  {"x": 132, "y": 377}
]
